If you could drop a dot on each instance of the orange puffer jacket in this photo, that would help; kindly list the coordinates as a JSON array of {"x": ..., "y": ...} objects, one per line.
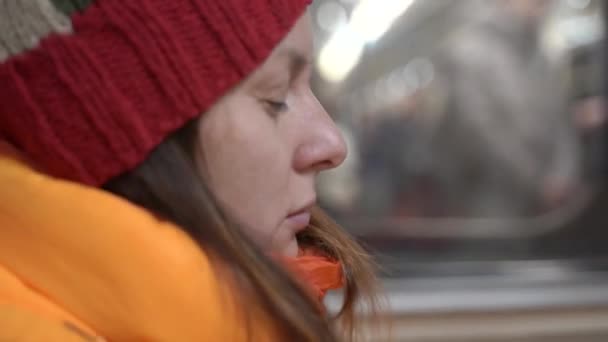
[{"x": 79, "y": 264}]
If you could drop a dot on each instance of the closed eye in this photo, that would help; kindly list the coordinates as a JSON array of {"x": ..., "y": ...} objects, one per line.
[{"x": 276, "y": 106}]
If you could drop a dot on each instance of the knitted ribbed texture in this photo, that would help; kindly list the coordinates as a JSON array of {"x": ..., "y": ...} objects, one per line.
[{"x": 92, "y": 105}]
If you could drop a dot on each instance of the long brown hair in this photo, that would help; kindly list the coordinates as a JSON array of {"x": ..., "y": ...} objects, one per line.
[{"x": 168, "y": 183}]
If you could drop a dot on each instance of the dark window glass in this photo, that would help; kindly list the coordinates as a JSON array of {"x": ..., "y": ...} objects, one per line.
[{"x": 476, "y": 131}]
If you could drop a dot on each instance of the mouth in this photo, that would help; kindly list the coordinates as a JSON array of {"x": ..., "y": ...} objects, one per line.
[{"x": 299, "y": 219}]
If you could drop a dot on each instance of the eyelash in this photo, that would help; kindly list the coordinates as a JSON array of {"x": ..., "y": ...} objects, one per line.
[{"x": 276, "y": 106}]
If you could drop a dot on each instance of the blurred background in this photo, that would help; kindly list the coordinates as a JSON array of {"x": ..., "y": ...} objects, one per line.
[{"x": 477, "y": 167}]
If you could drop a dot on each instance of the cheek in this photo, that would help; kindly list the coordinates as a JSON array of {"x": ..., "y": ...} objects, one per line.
[{"x": 247, "y": 167}]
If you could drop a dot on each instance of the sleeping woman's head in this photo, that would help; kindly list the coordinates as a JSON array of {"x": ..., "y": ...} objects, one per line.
[
  {"x": 205, "y": 120},
  {"x": 241, "y": 177}
]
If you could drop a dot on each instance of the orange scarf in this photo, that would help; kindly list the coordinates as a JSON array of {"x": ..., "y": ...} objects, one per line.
[{"x": 317, "y": 273}]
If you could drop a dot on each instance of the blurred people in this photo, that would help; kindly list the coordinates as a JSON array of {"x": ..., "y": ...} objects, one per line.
[
  {"x": 505, "y": 145},
  {"x": 588, "y": 105},
  {"x": 396, "y": 161},
  {"x": 126, "y": 214}
]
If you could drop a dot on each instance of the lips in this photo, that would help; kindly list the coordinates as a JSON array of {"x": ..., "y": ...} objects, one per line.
[
  {"x": 299, "y": 221},
  {"x": 300, "y": 218}
]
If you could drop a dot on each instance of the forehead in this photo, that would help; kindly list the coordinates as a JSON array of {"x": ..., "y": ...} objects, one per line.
[
  {"x": 300, "y": 35},
  {"x": 297, "y": 43}
]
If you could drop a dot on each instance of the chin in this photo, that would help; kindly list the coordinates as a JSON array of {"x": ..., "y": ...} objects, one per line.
[{"x": 292, "y": 248}]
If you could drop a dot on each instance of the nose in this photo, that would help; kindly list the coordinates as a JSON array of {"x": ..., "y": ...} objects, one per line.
[{"x": 323, "y": 146}]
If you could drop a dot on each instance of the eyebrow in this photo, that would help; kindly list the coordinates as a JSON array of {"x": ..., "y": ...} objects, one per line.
[{"x": 297, "y": 61}]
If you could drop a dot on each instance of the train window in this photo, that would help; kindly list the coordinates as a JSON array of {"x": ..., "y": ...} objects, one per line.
[{"x": 475, "y": 128}]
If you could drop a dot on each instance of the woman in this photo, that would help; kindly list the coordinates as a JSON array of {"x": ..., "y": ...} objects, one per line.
[{"x": 218, "y": 238}]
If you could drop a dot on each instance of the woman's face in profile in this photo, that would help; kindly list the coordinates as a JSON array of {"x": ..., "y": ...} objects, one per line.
[{"x": 262, "y": 145}]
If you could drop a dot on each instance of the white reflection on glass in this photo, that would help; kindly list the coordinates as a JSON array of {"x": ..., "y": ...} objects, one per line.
[
  {"x": 340, "y": 55},
  {"x": 331, "y": 16},
  {"x": 369, "y": 21},
  {"x": 372, "y": 18}
]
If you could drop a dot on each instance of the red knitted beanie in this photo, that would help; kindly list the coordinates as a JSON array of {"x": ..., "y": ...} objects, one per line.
[{"x": 89, "y": 88}]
